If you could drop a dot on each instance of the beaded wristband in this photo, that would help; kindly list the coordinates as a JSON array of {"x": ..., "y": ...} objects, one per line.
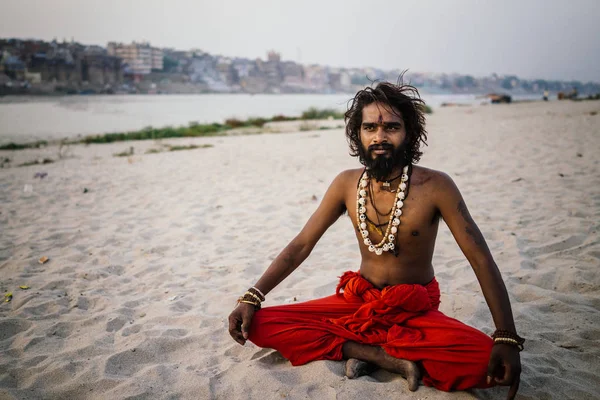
[
  {"x": 254, "y": 296},
  {"x": 258, "y": 292},
  {"x": 508, "y": 337}
]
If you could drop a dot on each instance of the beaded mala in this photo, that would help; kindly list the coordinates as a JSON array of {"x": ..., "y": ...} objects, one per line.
[{"x": 387, "y": 242}]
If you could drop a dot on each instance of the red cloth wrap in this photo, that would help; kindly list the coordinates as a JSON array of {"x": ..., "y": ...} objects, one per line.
[{"x": 402, "y": 319}]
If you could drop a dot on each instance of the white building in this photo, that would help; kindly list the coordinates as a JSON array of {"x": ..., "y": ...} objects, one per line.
[{"x": 140, "y": 57}]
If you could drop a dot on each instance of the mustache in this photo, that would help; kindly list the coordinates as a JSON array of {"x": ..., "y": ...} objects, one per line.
[{"x": 382, "y": 146}]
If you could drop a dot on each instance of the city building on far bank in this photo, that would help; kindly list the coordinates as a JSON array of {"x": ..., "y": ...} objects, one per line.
[{"x": 141, "y": 58}]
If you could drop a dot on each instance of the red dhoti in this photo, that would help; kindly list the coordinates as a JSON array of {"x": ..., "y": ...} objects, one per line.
[{"x": 403, "y": 319}]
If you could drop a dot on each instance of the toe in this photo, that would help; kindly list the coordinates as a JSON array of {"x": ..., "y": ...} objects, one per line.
[{"x": 413, "y": 384}]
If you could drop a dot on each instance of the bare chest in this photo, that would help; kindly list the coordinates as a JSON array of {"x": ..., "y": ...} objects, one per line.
[{"x": 418, "y": 221}]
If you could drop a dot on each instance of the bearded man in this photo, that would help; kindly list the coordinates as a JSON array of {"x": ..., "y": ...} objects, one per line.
[{"x": 386, "y": 314}]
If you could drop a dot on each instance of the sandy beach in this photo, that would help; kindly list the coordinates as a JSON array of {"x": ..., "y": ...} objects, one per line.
[{"x": 148, "y": 253}]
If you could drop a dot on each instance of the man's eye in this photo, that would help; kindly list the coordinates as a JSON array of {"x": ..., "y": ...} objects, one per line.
[{"x": 369, "y": 127}]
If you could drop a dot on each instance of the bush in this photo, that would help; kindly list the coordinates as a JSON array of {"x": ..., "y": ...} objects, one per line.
[
  {"x": 426, "y": 109},
  {"x": 235, "y": 123},
  {"x": 315, "y": 113},
  {"x": 281, "y": 118},
  {"x": 259, "y": 122},
  {"x": 21, "y": 146}
]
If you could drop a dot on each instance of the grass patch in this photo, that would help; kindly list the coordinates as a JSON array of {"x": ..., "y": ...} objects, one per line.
[
  {"x": 281, "y": 118},
  {"x": 426, "y": 109},
  {"x": 22, "y": 146},
  {"x": 190, "y": 147},
  {"x": 325, "y": 113},
  {"x": 194, "y": 129},
  {"x": 234, "y": 123}
]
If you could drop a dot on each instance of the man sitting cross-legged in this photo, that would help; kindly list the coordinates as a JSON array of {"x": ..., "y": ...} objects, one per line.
[{"x": 386, "y": 314}]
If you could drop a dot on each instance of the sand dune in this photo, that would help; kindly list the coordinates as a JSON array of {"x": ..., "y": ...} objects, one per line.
[{"x": 146, "y": 265}]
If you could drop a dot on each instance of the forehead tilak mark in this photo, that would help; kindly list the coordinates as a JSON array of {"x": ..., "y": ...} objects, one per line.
[{"x": 380, "y": 119}]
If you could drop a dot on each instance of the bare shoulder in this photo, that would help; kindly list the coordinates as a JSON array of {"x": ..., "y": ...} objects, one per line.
[
  {"x": 348, "y": 178},
  {"x": 438, "y": 186},
  {"x": 430, "y": 178}
]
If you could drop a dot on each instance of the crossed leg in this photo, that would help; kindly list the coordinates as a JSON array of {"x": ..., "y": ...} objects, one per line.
[
  {"x": 364, "y": 359},
  {"x": 450, "y": 354}
]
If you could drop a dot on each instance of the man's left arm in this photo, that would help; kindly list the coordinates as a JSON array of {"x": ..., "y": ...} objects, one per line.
[{"x": 472, "y": 243}]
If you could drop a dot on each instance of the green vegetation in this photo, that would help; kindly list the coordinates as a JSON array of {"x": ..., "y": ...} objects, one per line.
[
  {"x": 315, "y": 113},
  {"x": 21, "y": 146},
  {"x": 194, "y": 129},
  {"x": 234, "y": 123},
  {"x": 280, "y": 118},
  {"x": 427, "y": 109},
  {"x": 149, "y": 133},
  {"x": 190, "y": 147}
]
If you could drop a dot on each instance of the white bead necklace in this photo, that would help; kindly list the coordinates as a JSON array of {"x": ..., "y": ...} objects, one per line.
[{"x": 387, "y": 243}]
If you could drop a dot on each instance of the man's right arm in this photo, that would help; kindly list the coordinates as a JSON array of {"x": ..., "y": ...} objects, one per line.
[{"x": 330, "y": 209}]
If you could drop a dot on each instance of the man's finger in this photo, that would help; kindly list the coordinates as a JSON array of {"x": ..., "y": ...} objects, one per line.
[
  {"x": 492, "y": 367},
  {"x": 507, "y": 379},
  {"x": 237, "y": 336},
  {"x": 234, "y": 330},
  {"x": 233, "y": 324},
  {"x": 246, "y": 326},
  {"x": 512, "y": 392}
]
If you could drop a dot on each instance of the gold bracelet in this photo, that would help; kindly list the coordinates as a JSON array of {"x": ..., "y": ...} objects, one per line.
[
  {"x": 255, "y": 296},
  {"x": 256, "y": 305}
]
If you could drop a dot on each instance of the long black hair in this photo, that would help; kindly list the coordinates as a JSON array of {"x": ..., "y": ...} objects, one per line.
[{"x": 402, "y": 97}]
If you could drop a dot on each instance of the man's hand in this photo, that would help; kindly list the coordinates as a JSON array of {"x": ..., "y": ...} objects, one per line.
[
  {"x": 239, "y": 322},
  {"x": 505, "y": 368}
]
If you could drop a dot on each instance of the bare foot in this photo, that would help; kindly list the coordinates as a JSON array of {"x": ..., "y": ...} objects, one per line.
[
  {"x": 356, "y": 368},
  {"x": 407, "y": 369},
  {"x": 359, "y": 354}
]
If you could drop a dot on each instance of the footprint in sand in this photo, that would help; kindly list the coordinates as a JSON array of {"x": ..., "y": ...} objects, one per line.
[
  {"x": 115, "y": 324},
  {"x": 131, "y": 330},
  {"x": 61, "y": 330},
  {"x": 12, "y": 327}
]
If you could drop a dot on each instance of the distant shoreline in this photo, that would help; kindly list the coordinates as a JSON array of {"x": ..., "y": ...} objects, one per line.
[{"x": 25, "y": 98}]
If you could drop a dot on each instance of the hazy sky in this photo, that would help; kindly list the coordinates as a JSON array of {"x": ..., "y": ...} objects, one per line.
[{"x": 550, "y": 39}]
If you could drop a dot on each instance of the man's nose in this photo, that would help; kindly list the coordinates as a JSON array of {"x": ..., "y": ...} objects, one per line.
[{"x": 379, "y": 135}]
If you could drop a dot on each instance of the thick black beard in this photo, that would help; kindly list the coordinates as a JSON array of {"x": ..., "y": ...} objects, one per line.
[{"x": 381, "y": 166}]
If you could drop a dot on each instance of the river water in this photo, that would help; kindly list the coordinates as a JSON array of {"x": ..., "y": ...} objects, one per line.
[{"x": 35, "y": 118}]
